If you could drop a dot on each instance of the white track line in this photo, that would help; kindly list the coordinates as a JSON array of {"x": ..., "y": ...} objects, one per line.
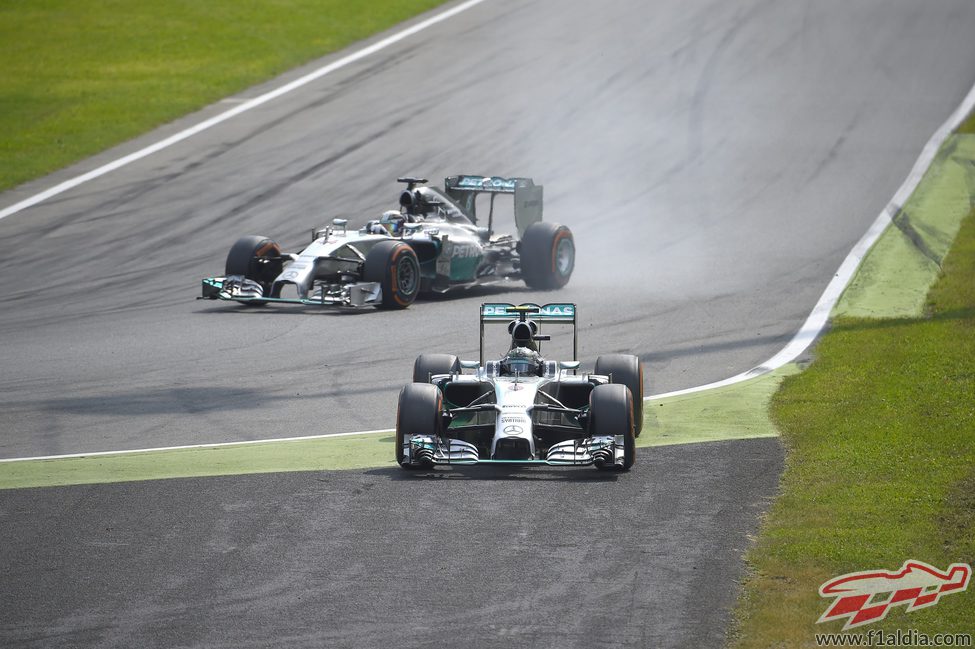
[
  {"x": 237, "y": 110},
  {"x": 814, "y": 324},
  {"x": 810, "y": 330},
  {"x": 192, "y": 446}
]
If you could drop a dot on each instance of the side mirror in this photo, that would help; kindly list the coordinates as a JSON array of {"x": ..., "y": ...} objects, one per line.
[
  {"x": 469, "y": 365},
  {"x": 550, "y": 369},
  {"x": 569, "y": 365},
  {"x": 341, "y": 223}
]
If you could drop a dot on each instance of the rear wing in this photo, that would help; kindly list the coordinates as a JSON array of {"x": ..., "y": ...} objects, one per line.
[
  {"x": 504, "y": 313},
  {"x": 463, "y": 189}
]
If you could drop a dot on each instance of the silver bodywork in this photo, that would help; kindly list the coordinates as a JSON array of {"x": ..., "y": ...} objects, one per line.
[
  {"x": 536, "y": 418},
  {"x": 516, "y": 412},
  {"x": 307, "y": 277},
  {"x": 453, "y": 252}
]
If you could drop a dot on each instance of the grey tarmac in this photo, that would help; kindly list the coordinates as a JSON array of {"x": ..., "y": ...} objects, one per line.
[
  {"x": 716, "y": 162},
  {"x": 459, "y": 557}
]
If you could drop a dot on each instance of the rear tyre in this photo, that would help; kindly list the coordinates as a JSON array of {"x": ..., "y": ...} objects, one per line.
[
  {"x": 426, "y": 365},
  {"x": 394, "y": 265},
  {"x": 256, "y": 258},
  {"x": 627, "y": 370},
  {"x": 420, "y": 412},
  {"x": 611, "y": 413},
  {"x": 548, "y": 255}
]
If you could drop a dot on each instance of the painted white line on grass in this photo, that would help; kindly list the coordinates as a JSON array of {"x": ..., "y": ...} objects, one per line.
[
  {"x": 190, "y": 447},
  {"x": 242, "y": 108}
]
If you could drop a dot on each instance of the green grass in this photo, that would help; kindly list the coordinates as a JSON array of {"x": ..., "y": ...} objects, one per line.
[
  {"x": 880, "y": 434},
  {"x": 893, "y": 281},
  {"x": 968, "y": 126},
  {"x": 332, "y": 453},
  {"x": 739, "y": 411},
  {"x": 79, "y": 77}
]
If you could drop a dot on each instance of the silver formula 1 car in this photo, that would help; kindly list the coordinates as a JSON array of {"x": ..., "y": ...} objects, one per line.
[
  {"x": 522, "y": 408},
  {"x": 434, "y": 243}
]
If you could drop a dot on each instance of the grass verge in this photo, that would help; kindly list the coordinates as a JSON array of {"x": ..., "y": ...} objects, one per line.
[
  {"x": 733, "y": 412},
  {"x": 893, "y": 281},
  {"x": 737, "y": 412},
  {"x": 880, "y": 433},
  {"x": 79, "y": 77},
  {"x": 968, "y": 126},
  {"x": 329, "y": 453}
]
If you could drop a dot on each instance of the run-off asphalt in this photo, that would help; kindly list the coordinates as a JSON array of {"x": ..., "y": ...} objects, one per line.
[{"x": 474, "y": 558}]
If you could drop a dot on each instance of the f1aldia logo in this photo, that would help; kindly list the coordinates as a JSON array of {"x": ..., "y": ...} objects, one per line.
[{"x": 865, "y": 597}]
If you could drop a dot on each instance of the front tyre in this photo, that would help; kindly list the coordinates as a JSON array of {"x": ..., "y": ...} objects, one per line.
[
  {"x": 420, "y": 412},
  {"x": 548, "y": 255},
  {"x": 426, "y": 365},
  {"x": 627, "y": 370},
  {"x": 394, "y": 265},
  {"x": 256, "y": 258},
  {"x": 611, "y": 414}
]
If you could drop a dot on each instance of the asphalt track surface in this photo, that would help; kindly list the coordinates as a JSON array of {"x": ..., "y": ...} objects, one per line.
[
  {"x": 715, "y": 160},
  {"x": 368, "y": 559}
]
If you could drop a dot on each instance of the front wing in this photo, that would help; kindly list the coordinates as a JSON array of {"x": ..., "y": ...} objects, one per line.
[
  {"x": 247, "y": 291},
  {"x": 426, "y": 451}
]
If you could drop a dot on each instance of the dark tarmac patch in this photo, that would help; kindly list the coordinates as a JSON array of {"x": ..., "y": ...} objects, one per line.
[{"x": 377, "y": 557}]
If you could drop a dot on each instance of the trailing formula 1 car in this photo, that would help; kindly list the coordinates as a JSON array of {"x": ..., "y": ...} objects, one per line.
[
  {"x": 434, "y": 243},
  {"x": 521, "y": 409}
]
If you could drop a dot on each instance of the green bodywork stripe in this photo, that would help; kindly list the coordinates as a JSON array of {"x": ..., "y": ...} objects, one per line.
[{"x": 462, "y": 269}]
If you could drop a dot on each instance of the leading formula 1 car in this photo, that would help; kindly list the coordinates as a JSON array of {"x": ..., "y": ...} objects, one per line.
[
  {"x": 434, "y": 243},
  {"x": 521, "y": 409}
]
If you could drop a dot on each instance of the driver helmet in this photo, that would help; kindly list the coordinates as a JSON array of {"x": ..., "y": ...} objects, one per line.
[
  {"x": 393, "y": 222},
  {"x": 521, "y": 360},
  {"x": 414, "y": 202}
]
